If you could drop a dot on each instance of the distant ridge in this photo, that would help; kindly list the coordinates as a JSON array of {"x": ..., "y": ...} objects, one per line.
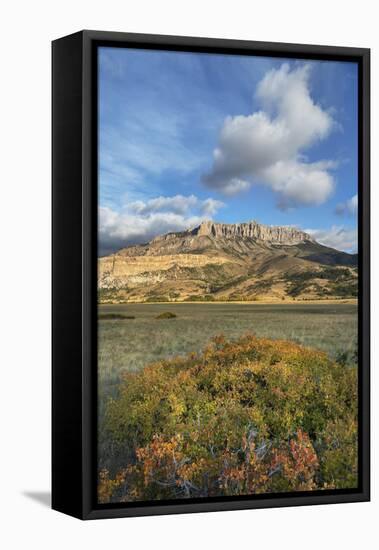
[
  {"x": 274, "y": 234},
  {"x": 253, "y": 230},
  {"x": 218, "y": 261}
]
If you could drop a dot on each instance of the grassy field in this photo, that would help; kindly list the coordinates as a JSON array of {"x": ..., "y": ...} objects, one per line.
[
  {"x": 131, "y": 343},
  {"x": 132, "y": 336}
]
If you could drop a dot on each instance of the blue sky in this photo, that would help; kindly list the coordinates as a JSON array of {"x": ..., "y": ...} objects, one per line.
[{"x": 187, "y": 136}]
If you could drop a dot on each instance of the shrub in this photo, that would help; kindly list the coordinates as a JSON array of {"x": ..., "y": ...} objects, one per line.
[
  {"x": 341, "y": 282},
  {"x": 166, "y": 315},
  {"x": 200, "y": 298},
  {"x": 155, "y": 298},
  {"x": 114, "y": 316},
  {"x": 244, "y": 417}
]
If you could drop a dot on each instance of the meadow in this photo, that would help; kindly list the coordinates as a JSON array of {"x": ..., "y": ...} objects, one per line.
[
  {"x": 141, "y": 345},
  {"x": 129, "y": 344}
]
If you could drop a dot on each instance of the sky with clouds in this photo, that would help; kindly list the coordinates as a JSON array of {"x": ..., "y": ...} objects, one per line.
[{"x": 185, "y": 137}]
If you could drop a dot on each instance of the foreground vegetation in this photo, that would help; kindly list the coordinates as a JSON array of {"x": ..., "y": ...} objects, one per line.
[
  {"x": 249, "y": 416},
  {"x": 123, "y": 344}
]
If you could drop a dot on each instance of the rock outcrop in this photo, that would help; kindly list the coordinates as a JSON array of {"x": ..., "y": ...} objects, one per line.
[{"x": 253, "y": 230}]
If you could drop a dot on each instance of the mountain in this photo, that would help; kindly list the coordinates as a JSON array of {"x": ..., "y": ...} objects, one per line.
[{"x": 216, "y": 261}]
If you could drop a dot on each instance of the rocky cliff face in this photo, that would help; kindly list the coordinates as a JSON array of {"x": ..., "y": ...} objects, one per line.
[{"x": 253, "y": 230}]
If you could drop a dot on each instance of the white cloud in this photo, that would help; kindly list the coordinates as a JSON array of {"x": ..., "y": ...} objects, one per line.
[
  {"x": 349, "y": 207},
  {"x": 337, "y": 237},
  {"x": 178, "y": 204},
  {"x": 141, "y": 221},
  {"x": 267, "y": 146},
  {"x": 210, "y": 207}
]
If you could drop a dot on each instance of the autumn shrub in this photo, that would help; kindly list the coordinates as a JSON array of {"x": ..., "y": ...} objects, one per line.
[{"x": 244, "y": 417}]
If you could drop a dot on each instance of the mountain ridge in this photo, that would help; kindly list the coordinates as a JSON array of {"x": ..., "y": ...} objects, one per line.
[
  {"x": 216, "y": 261},
  {"x": 253, "y": 229}
]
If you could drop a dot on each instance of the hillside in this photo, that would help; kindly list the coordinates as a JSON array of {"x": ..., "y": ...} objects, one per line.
[{"x": 214, "y": 261}]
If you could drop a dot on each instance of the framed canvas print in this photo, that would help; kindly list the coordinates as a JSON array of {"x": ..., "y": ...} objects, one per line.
[{"x": 210, "y": 274}]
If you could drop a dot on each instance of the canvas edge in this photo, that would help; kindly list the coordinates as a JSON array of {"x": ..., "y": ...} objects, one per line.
[{"x": 85, "y": 508}]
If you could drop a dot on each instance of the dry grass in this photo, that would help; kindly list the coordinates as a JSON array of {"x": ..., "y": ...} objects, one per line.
[{"x": 130, "y": 346}]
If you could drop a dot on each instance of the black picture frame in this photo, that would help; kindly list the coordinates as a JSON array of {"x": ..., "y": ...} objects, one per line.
[{"x": 74, "y": 271}]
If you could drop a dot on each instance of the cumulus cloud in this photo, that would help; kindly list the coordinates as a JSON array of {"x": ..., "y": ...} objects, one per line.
[
  {"x": 349, "y": 207},
  {"x": 210, "y": 207},
  {"x": 178, "y": 204},
  {"x": 141, "y": 221},
  {"x": 267, "y": 147},
  {"x": 338, "y": 237}
]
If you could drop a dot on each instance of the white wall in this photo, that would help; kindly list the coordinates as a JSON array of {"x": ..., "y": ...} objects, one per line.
[{"x": 27, "y": 27}]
